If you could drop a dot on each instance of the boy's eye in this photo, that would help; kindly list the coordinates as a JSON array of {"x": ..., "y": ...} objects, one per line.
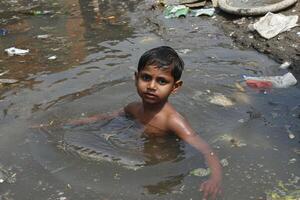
[
  {"x": 146, "y": 77},
  {"x": 162, "y": 81}
]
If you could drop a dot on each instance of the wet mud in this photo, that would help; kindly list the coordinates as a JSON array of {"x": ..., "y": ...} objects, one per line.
[{"x": 282, "y": 48}]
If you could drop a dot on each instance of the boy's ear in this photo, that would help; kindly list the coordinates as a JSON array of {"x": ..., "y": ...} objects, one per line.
[
  {"x": 135, "y": 76},
  {"x": 177, "y": 86}
]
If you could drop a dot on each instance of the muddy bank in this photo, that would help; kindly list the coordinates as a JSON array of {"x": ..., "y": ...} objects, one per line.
[{"x": 281, "y": 48}]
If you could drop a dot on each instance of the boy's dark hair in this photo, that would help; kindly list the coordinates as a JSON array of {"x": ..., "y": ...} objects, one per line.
[{"x": 163, "y": 57}]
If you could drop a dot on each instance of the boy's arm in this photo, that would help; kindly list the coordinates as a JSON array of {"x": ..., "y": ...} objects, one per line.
[
  {"x": 95, "y": 118},
  {"x": 183, "y": 130},
  {"x": 128, "y": 110}
]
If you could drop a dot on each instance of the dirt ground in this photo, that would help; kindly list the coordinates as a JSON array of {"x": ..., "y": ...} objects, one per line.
[{"x": 283, "y": 47}]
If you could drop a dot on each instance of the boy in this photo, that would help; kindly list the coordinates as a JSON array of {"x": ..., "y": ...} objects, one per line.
[{"x": 157, "y": 77}]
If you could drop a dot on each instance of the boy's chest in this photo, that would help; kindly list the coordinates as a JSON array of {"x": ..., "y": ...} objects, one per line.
[
  {"x": 155, "y": 127},
  {"x": 151, "y": 130}
]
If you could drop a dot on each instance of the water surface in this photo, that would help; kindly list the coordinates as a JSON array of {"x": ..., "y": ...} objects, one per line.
[{"x": 97, "y": 44}]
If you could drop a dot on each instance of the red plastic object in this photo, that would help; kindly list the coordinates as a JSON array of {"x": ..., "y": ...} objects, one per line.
[{"x": 259, "y": 84}]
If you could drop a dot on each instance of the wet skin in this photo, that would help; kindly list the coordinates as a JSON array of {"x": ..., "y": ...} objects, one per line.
[{"x": 154, "y": 86}]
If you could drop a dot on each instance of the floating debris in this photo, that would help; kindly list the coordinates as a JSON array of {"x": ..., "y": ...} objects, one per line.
[
  {"x": 8, "y": 81},
  {"x": 206, "y": 171},
  {"x": 290, "y": 133},
  {"x": 15, "y": 51},
  {"x": 285, "y": 65},
  {"x": 3, "y": 32},
  {"x": 176, "y": 11},
  {"x": 45, "y": 36},
  {"x": 204, "y": 11},
  {"x": 6, "y": 176},
  {"x": 283, "y": 194},
  {"x": 283, "y": 81},
  {"x": 5, "y": 72},
  {"x": 52, "y": 58},
  {"x": 221, "y": 100},
  {"x": 200, "y": 172},
  {"x": 239, "y": 87}
]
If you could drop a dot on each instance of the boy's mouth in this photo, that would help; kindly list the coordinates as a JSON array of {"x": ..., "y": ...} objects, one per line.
[{"x": 149, "y": 95}]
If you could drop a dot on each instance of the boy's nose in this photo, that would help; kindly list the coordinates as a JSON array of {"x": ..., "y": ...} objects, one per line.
[{"x": 152, "y": 85}]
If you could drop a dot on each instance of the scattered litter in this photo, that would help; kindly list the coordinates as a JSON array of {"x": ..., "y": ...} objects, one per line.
[
  {"x": 283, "y": 194},
  {"x": 285, "y": 65},
  {"x": 292, "y": 161},
  {"x": 239, "y": 87},
  {"x": 298, "y": 33},
  {"x": 3, "y": 32},
  {"x": 284, "y": 81},
  {"x": 15, "y": 51},
  {"x": 45, "y": 36},
  {"x": 184, "y": 51},
  {"x": 272, "y": 24},
  {"x": 290, "y": 133},
  {"x": 52, "y": 57},
  {"x": 5, "y": 72},
  {"x": 224, "y": 162},
  {"x": 204, "y": 11},
  {"x": 221, "y": 100},
  {"x": 259, "y": 84},
  {"x": 241, "y": 121},
  {"x": 237, "y": 143},
  {"x": 176, "y": 11},
  {"x": 233, "y": 141},
  {"x": 38, "y": 12},
  {"x": 8, "y": 81},
  {"x": 206, "y": 171},
  {"x": 240, "y": 21},
  {"x": 200, "y": 172},
  {"x": 6, "y": 175}
]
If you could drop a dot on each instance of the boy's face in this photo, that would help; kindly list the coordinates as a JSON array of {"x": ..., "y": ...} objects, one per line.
[{"x": 154, "y": 85}]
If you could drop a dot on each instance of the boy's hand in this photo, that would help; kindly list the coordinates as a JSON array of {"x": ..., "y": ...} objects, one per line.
[{"x": 211, "y": 187}]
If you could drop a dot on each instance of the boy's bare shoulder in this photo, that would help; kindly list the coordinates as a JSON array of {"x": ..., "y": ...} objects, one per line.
[
  {"x": 178, "y": 124},
  {"x": 132, "y": 108}
]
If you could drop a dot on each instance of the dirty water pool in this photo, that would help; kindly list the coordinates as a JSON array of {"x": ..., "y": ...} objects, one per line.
[{"x": 97, "y": 45}]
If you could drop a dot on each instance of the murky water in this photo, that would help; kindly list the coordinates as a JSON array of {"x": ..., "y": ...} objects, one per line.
[{"x": 97, "y": 45}]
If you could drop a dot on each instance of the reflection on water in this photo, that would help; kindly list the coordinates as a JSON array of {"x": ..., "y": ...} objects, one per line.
[
  {"x": 97, "y": 44},
  {"x": 120, "y": 140}
]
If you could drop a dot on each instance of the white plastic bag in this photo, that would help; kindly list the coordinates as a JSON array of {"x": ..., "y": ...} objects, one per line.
[
  {"x": 272, "y": 24},
  {"x": 15, "y": 51}
]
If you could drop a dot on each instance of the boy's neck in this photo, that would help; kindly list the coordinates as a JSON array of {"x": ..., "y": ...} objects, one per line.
[{"x": 153, "y": 108}]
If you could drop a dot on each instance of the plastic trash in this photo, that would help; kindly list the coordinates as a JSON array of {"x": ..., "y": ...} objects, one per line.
[
  {"x": 271, "y": 24},
  {"x": 176, "y": 11},
  {"x": 8, "y": 81},
  {"x": 221, "y": 100},
  {"x": 259, "y": 84},
  {"x": 52, "y": 58},
  {"x": 284, "y": 81},
  {"x": 38, "y": 12},
  {"x": 204, "y": 11},
  {"x": 3, "y": 31},
  {"x": 45, "y": 36},
  {"x": 285, "y": 65},
  {"x": 15, "y": 51}
]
